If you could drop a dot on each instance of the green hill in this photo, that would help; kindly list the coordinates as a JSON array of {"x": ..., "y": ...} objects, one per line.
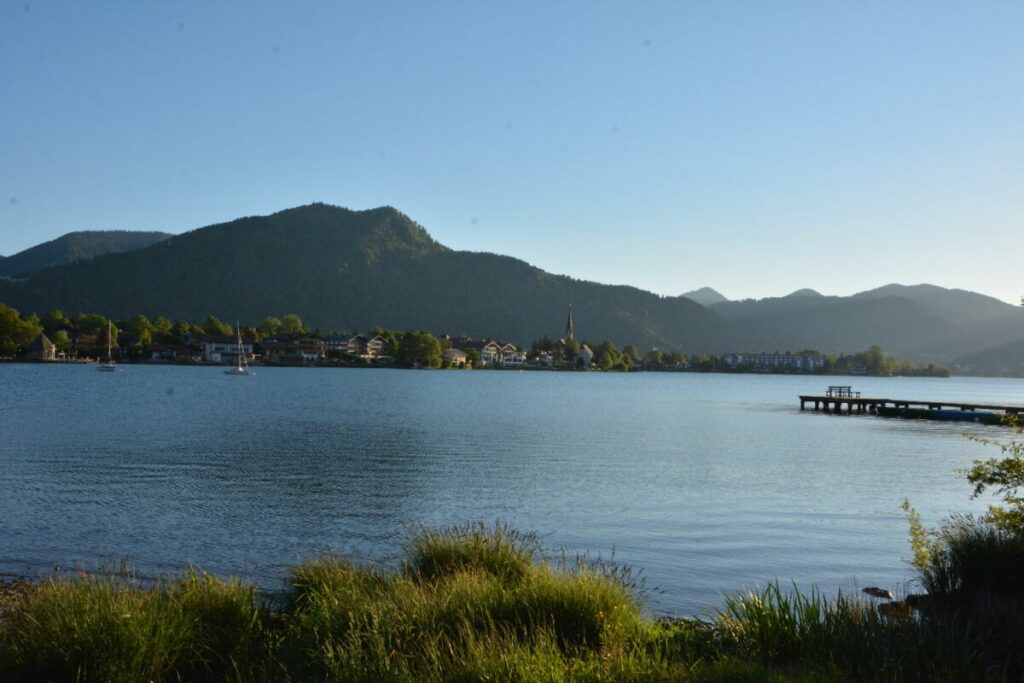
[
  {"x": 76, "y": 246},
  {"x": 957, "y": 305},
  {"x": 987, "y": 322},
  {"x": 838, "y": 324},
  {"x": 353, "y": 270},
  {"x": 1000, "y": 361}
]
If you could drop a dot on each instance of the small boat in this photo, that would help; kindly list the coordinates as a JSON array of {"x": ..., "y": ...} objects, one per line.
[
  {"x": 109, "y": 365},
  {"x": 979, "y": 416},
  {"x": 241, "y": 365}
]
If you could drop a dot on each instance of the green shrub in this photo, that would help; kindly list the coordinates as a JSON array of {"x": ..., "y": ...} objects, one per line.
[
  {"x": 1004, "y": 476},
  {"x": 975, "y": 585},
  {"x": 972, "y": 555}
]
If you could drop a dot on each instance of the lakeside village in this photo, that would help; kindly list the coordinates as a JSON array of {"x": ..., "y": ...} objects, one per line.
[{"x": 85, "y": 338}]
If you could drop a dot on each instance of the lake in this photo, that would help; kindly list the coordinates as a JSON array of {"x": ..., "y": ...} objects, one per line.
[{"x": 709, "y": 483}]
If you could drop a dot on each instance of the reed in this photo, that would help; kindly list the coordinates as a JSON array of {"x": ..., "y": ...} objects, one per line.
[{"x": 845, "y": 638}]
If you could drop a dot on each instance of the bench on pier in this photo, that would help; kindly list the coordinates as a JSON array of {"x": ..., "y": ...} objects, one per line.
[{"x": 842, "y": 392}]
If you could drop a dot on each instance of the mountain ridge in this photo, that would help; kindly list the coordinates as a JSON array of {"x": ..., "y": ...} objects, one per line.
[
  {"x": 80, "y": 245},
  {"x": 923, "y": 322},
  {"x": 705, "y": 296},
  {"x": 354, "y": 270},
  {"x": 805, "y": 292}
]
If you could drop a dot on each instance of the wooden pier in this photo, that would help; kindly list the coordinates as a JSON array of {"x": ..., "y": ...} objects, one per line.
[{"x": 838, "y": 399}]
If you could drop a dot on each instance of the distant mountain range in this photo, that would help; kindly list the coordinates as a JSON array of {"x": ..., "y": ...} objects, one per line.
[
  {"x": 353, "y": 270},
  {"x": 76, "y": 246},
  {"x": 920, "y": 322}
]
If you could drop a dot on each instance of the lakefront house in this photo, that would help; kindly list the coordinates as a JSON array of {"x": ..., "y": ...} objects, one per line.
[
  {"x": 456, "y": 357},
  {"x": 217, "y": 349},
  {"x": 348, "y": 344},
  {"x": 512, "y": 357},
  {"x": 493, "y": 354},
  {"x": 41, "y": 348}
]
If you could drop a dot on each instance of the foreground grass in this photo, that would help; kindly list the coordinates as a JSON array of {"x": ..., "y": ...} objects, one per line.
[{"x": 471, "y": 603}]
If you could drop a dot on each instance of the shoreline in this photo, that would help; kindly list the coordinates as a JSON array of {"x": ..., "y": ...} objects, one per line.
[{"x": 391, "y": 366}]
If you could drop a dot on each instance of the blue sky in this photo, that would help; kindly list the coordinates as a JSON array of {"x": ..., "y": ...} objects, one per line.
[{"x": 756, "y": 147}]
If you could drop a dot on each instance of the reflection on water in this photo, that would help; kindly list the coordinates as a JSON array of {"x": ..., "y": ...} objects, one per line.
[{"x": 707, "y": 482}]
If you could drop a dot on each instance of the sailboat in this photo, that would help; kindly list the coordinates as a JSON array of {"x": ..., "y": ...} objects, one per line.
[
  {"x": 241, "y": 366},
  {"x": 110, "y": 365}
]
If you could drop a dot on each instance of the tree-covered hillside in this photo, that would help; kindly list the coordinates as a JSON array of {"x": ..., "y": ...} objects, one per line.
[
  {"x": 958, "y": 305},
  {"x": 356, "y": 270},
  {"x": 76, "y": 246},
  {"x": 922, "y": 322},
  {"x": 1003, "y": 360},
  {"x": 342, "y": 269}
]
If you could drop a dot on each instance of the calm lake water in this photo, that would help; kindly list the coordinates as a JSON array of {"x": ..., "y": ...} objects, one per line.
[{"x": 709, "y": 483}]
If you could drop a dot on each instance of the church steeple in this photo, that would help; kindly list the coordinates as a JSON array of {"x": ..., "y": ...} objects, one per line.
[{"x": 568, "y": 324}]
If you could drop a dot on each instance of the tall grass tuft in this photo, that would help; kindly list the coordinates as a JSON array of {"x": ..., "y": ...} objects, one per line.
[
  {"x": 844, "y": 638},
  {"x": 108, "y": 627},
  {"x": 469, "y": 603},
  {"x": 500, "y": 550}
]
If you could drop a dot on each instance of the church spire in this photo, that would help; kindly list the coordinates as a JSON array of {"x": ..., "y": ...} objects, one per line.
[{"x": 568, "y": 324}]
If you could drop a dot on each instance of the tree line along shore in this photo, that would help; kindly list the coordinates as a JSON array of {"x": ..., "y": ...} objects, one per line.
[{"x": 288, "y": 341}]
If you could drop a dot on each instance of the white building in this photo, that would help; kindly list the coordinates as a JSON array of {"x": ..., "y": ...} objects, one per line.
[
  {"x": 511, "y": 357},
  {"x": 223, "y": 349}
]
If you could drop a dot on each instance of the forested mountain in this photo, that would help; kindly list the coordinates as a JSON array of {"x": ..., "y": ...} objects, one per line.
[
  {"x": 923, "y": 322},
  {"x": 76, "y": 246},
  {"x": 755, "y": 308},
  {"x": 902, "y": 327},
  {"x": 987, "y": 320},
  {"x": 1003, "y": 360},
  {"x": 353, "y": 270}
]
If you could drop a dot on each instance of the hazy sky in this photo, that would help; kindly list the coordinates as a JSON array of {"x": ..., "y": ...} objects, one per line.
[{"x": 756, "y": 147}]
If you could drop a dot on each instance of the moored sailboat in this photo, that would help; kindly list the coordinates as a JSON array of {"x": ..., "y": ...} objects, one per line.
[
  {"x": 241, "y": 365},
  {"x": 109, "y": 365}
]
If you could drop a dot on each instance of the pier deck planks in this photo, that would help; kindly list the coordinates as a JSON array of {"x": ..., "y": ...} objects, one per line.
[{"x": 866, "y": 404}]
